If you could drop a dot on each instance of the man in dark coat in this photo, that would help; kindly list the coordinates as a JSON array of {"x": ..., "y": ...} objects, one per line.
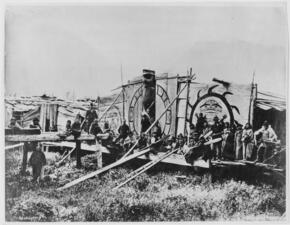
[
  {"x": 37, "y": 161},
  {"x": 91, "y": 115},
  {"x": 95, "y": 128},
  {"x": 124, "y": 131},
  {"x": 217, "y": 131},
  {"x": 35, "y": 124},
  {"x": 200, "y": 121},
  {"x": 157, "y": 130},
  {"x": 68, "y": 127},
  {"x": 145, "y": 122},
  {"x": 76, "y": 127}
]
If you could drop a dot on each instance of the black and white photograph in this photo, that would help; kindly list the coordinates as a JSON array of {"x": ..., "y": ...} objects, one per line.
[{"x": 145, "y": 112}]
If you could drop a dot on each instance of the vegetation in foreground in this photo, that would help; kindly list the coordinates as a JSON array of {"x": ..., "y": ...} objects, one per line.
[{"x": 161, "y": 196}]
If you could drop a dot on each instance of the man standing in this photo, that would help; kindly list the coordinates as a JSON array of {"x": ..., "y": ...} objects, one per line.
[
  {"x": 91, "y": 115},
  {"x": 267, "y": 137},
  {"x": 37, "y": 161},
  {"x": 200, "y": 121},
  {"x": 217, "y": 131}
]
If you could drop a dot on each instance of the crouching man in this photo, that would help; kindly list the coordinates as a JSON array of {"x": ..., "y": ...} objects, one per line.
[{"x": 37, "y": 161}]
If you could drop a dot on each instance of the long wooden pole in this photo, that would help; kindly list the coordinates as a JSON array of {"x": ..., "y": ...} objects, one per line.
[
  {"x": 250, "y": 115},
  {"x": 90, "y": 175},
  {"x": 153, "y": 124},
  {"x": 146, "y": 167},
  {"x": 13, "y": 146},
  {"x": 186, "y": 107},
  {"x": 123, "y": 91},
  {"x": 101, "y": 117},
  {"x": 65, "y": 157}
]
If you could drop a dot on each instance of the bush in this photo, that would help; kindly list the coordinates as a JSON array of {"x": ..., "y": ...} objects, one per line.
[{"x": 32, "y": 210}]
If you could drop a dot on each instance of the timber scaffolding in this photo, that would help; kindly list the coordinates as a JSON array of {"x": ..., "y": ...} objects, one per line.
[{"x": 52, "y": 139}]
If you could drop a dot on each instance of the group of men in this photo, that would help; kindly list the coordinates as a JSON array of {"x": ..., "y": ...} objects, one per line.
[{"x": 234, "y": 142}]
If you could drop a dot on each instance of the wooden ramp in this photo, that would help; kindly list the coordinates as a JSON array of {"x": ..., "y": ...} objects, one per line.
[{"x": 84, "y": 146}]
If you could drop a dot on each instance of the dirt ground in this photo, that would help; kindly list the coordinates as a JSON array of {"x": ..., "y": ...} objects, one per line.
[{"x": 152, "y": 196}]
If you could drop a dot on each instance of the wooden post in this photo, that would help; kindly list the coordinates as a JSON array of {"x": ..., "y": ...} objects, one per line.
[
  {"x": 186, "y": 108},
  {"x": 110, "y": 106},
  {"x": 78, "y": 153},
  {"x": 99, "y": 155},
  {"x": 24, "y": 158}
]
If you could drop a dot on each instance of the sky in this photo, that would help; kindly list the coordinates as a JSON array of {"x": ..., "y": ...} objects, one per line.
[{"x": 54, "y": 49}]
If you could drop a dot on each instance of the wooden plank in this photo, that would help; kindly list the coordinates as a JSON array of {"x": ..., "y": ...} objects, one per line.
[
  {"x": 264, "y": 165},
  {"x": 85, "y": 147},
  {"x": 22, "y": 131},
  {"x": 24, "y": 158},
  {"x": 110, "y": 106},
  {"x": 229, "y": 163},
  {"x": 46, "y": 137},
  {"x": 146, "y": 167},
  {"x": 175, "y": 159},
  {"x": 13, "y": 146},
  {"x": 78, "y": 153},
  {"x": 106, "y": 168},
  {"x": 65, "y": 157}
]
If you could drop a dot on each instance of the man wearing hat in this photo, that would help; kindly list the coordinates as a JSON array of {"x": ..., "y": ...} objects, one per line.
[
  {"x": 35, "y": 123},
  {"x": 14, "y": 125},
  {"x": 267, "y": 138},
  {"x": 91, "y": 115}
]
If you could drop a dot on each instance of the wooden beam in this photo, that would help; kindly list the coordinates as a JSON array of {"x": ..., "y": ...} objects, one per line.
[
  {"x": 66, "y": 156},
  {"x": 146, "y": 167},
  {"x": 110, "y": 106},
  {"x": 78, "y": 154},
  {"x": 52, "y": 136},
  {"x": 95, "y": 173},
  {"x": 24, "y": 158},
  {"x": 13, "y": 146}
]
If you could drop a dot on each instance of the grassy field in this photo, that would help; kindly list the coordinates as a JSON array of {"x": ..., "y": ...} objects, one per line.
[{"x": 154, "y": 196}]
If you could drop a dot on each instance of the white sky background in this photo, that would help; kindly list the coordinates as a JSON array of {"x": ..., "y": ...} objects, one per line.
[{"x": 55, "y": 49}]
